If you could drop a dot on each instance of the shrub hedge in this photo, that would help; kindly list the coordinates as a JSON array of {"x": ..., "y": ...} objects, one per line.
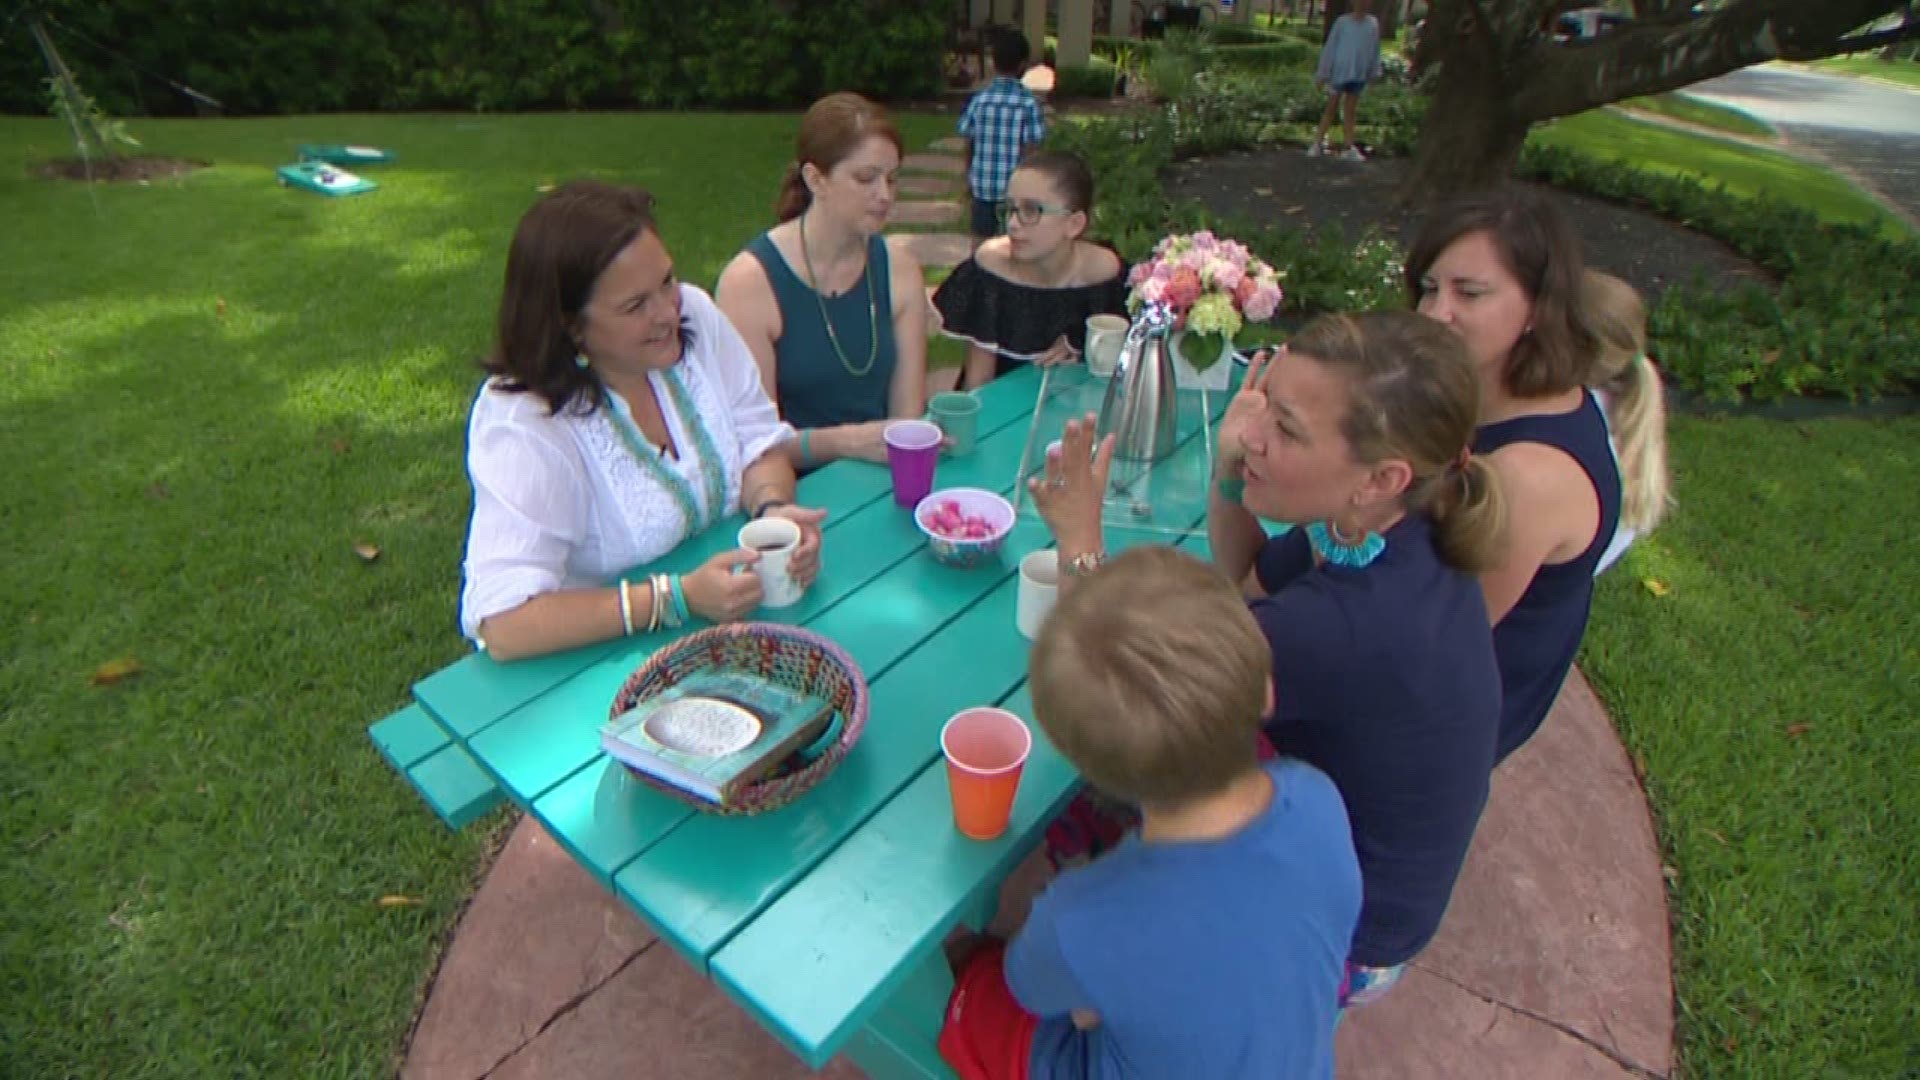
[{"x": 294, "y": 56}]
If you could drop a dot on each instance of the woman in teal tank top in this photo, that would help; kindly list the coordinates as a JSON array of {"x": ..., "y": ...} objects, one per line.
[{"x": 833, "y": 313}]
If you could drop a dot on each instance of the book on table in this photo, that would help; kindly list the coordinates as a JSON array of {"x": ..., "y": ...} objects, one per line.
[{"x": 716, "y": 731}]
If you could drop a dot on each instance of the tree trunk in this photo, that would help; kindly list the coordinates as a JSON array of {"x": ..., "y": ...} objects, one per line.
[{"x": 1470, "y": 138}]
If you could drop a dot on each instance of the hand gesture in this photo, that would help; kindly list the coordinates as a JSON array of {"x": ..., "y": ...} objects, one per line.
[
  {"x": 1069, "y": 494},
  {"x": 1245, "y": 413},
  {"x": 721, "y": 590},
  {"x": 1060, "y": 352},
  {"x": 804, "y": 564}
]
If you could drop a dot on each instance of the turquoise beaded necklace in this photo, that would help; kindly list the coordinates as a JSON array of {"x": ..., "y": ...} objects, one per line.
[{"x": 649, "y": 458}]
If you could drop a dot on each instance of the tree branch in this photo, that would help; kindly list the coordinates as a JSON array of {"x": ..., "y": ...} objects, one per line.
[{"x": 1553, "y": 80}]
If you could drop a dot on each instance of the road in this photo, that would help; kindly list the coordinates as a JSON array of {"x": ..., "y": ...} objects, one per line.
[{"x": 1869, "y": 128}]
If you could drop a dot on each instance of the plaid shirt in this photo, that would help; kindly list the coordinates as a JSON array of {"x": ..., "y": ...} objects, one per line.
[{"x": 1002, "y": 120}]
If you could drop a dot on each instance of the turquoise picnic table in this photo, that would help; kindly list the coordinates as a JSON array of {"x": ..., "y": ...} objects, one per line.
[{"x": 824, "y": 919}]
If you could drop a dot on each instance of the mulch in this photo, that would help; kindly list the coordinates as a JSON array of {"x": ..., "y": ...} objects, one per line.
[
  {"x": 119, "y": 168},
  {"x": 1284, "y": 184}
]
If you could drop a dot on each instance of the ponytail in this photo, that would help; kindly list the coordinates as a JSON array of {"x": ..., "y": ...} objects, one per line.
[
  {"x": 1637, "y": 416},
  {"x": 794, "y": 197},
  {"x": 1469, "y": 512}
]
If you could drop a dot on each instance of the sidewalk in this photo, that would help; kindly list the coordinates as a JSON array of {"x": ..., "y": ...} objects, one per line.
[{"x": 1554, "y": 959}]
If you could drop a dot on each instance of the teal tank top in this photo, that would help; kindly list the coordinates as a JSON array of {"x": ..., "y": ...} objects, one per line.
[{"x": 817, "y": 388}]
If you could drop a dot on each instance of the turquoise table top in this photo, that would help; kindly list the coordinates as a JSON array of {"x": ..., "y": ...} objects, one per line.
[{"x": 822, "y": 916}]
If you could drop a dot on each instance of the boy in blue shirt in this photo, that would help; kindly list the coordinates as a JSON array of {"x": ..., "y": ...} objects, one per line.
[
  {"x": 999, "y": 123},
  {"x": 1212, "y": 943}
]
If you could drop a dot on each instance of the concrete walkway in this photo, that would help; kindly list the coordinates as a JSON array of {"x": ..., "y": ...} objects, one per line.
[
  {"x": 1553, "y": 962},
  {"x": 1865, "y": 129}
]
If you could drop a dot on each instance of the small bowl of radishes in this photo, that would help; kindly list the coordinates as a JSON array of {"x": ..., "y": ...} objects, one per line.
[{"x": 965, "y": 526}]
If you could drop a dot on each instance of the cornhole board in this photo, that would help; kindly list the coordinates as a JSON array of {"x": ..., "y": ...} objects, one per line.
[
  {"x": 318, "y": 176},
  {"x": 335, "y": 154}
]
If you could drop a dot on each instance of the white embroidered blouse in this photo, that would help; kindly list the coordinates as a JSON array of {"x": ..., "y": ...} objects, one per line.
[{"x": 559, "y": 501}]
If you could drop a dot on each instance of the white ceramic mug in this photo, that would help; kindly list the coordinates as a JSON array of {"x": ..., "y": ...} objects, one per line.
[
  {"x": 773, "y": 539},
  {"x": 1039, "y": 588},
  {"x": 1105, "y": 335}
]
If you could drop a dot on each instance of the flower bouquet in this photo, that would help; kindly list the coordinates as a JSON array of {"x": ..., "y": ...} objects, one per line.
[{"x": 1213, "y": 287}]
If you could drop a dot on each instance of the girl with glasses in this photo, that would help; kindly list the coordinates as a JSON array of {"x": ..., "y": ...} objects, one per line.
[{"x": 1024, "y": 297}]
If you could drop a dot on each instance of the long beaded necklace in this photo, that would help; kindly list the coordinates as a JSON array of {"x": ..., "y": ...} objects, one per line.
[
  {"x": 649, "y": 458},
  {"x": 873, "y": 310}
]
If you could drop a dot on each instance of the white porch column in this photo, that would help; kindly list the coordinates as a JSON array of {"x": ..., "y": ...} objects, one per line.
[
  {"x": 1076, "y": 33},
  {"x": 1034, "y": 24}
]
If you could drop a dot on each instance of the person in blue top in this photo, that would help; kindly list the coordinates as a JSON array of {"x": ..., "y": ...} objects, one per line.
[
  {"x": 1383, "y": 664},
  {"x": 1349, "y": 60},
  {"x": 999, "y": 124},
  {"x": 834, "y": 313},
  {"x": 1503, "y": 270},
  {"x": 1212, "y": 944}
]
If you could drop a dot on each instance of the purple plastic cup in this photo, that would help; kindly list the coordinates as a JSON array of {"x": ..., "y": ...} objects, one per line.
[{"x": 913, "y": 449}]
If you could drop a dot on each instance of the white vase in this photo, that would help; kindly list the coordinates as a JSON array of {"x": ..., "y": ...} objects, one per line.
[{"x": 1217, "y": 376}]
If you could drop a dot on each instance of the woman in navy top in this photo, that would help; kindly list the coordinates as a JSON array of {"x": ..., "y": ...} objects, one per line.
[
  {"x": 835, "y": 315},
  {"x": 1384, "y": 676},
  {"x": 1504, "y": 271}
]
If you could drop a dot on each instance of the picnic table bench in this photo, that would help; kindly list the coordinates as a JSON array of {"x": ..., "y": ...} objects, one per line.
[{"x": 824, "y": 919}]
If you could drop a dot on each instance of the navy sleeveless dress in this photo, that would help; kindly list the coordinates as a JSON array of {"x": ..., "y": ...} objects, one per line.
[
  {"x": 814, "y": 387},
  {"x": 1536, "y": 643}
]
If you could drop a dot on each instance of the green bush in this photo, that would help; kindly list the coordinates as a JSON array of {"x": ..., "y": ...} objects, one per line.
[
  {"x": 1845, "y": 321},
  {"x": 1287, "y": 53},
  {"x": 1096, "y": 80},
  {"x": 291, "y": 56},
  {"x": 1235, "y": 34}
]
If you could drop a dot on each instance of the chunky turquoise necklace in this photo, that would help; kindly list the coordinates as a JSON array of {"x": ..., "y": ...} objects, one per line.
[{"x": 650, "y": 458}]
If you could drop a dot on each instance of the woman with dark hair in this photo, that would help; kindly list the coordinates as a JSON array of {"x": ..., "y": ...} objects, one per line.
[
  {"x": 1504, "y": 271},
  {"x": 622, "y": 415},
  {"x": 1024, "y": 297},
  {"x": 1383, "y": 669},
  {"x": 834, "y": 313}
]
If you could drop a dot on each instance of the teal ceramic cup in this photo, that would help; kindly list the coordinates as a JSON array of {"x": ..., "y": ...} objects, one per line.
[{"x": 958, "y": 415}]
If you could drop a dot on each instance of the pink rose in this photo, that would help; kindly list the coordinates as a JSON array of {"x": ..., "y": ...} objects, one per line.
[
  {"x": 1225, "y": 274},
  {"x": 1265, "y": 301},
  {"x": 1183, "y": 288},
  {"x": 1243, "y": 291}
]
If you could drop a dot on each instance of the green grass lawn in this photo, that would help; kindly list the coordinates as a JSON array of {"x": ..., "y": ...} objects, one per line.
[
  {"x": 1695, "y": 110},
  {"x": 1900, "y": 71},
  {"x": 1769, "y": 698},
  {"x": 213, "y": 388},
  {"x": 1742, "y": 170}
]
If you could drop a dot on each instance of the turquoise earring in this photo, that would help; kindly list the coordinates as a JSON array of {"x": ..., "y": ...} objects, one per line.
[
  {"x": 1326, "y": 541},
  {"x": 580, "y": 361}
]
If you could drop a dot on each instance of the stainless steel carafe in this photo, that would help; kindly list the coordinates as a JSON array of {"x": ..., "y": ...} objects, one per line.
[{"x": 1140, "y": 409}]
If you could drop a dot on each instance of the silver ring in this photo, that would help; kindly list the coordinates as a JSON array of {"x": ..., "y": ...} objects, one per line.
[{"x": 1058, "y": 482}]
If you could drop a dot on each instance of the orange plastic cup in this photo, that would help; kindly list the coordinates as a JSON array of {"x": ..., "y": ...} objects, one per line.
[{"x": 985, "y": 749}]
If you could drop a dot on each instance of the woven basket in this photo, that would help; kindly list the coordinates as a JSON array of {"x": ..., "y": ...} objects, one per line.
[{"x": 786, "y": 655}]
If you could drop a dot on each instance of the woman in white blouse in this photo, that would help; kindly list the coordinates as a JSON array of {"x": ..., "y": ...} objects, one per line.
[{"x": 623, "y": 415}]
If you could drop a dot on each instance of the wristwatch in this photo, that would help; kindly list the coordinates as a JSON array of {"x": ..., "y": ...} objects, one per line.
[{"x": 1084, "y": 563}]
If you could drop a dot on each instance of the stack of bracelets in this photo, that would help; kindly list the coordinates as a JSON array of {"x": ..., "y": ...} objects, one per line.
[{"x": 668, "y": 609}]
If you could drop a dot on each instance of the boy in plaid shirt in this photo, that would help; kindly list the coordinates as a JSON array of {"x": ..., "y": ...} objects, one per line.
[{"x": 999, "y": 123}]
